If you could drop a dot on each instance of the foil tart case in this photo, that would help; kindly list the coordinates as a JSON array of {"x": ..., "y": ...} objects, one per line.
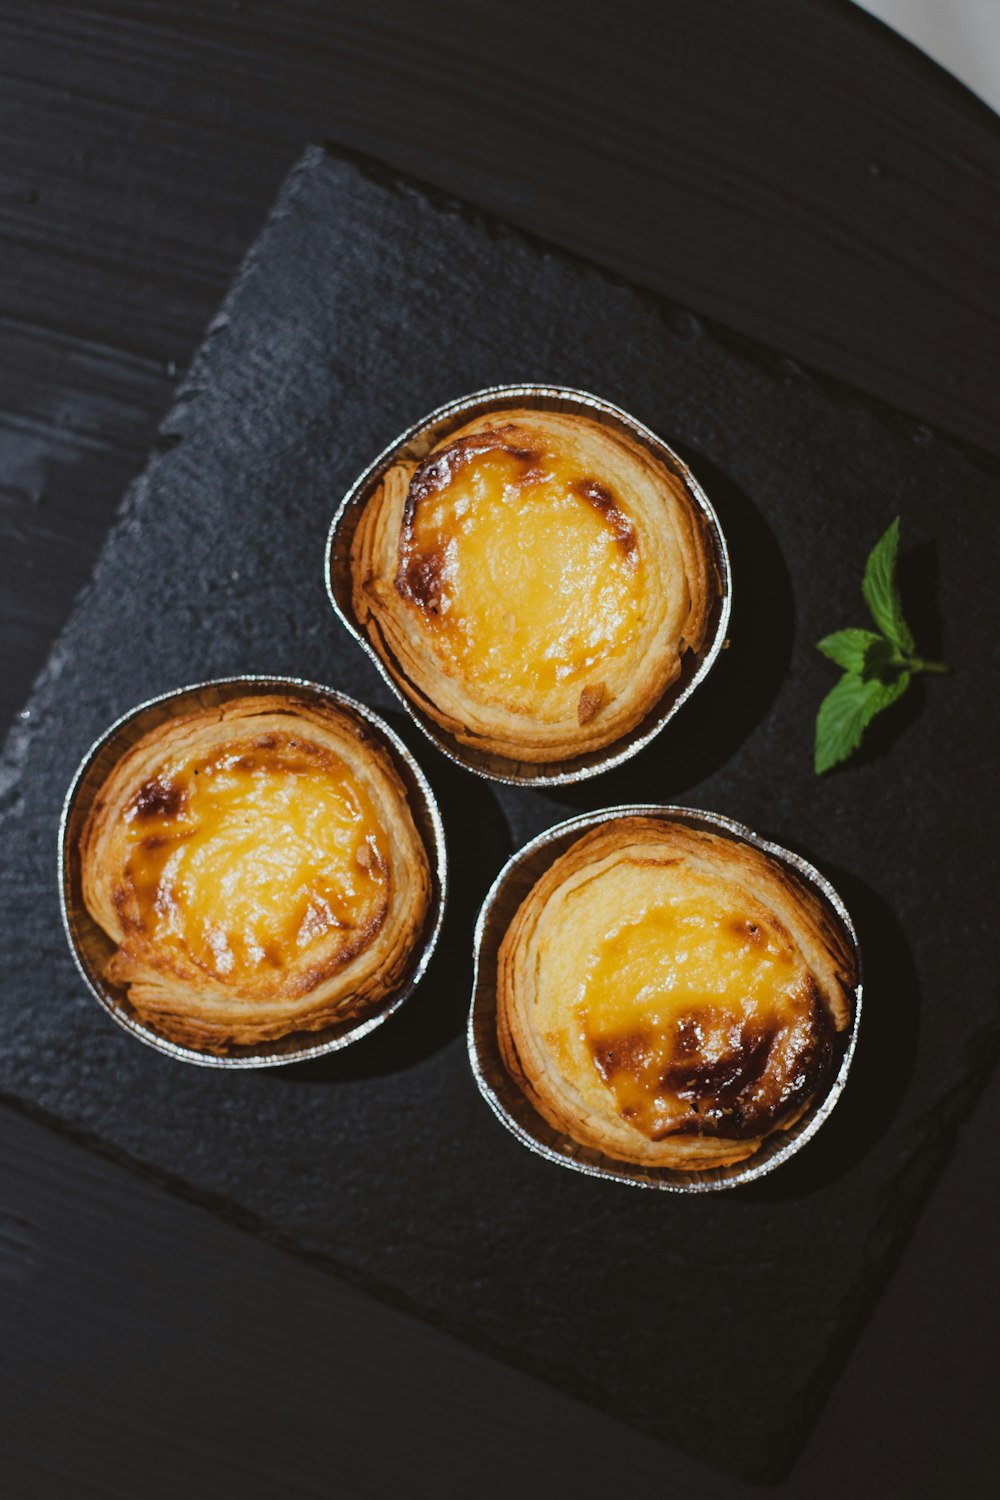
[
  {"x": 503, "y": 1094},
  {"x": 90, "y": 945},
  {"x": 414, "y": 444}
]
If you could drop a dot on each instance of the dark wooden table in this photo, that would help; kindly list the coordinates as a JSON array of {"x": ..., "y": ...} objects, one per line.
[{"x": 789, "y": 168}]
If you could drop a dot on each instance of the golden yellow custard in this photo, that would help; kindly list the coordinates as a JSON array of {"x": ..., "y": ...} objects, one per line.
[
  {"x": 246, "y": 860},
  {"x": 671, "y": 996},
  {"x": 534, "y": 583},
  {"x": 694, "y": 1013},
  {"x": 259, "y": 871},
  {"x": 527, "y": 569}
]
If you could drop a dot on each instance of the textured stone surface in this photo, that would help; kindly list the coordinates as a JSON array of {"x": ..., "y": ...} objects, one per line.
[{"x": 712, "y": 1322}]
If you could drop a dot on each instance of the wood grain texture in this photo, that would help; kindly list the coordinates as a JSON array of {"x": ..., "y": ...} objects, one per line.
[
  {"x": 142, "y": 145},
  {"x": 792, "y": 169},
  {"x": 361, "y": 1159},
  {"x": 856, "y": 179},
  {"x": 152, "y": 1351}
]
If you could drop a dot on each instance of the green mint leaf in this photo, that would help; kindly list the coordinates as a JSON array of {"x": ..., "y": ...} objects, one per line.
[
  {"x": 892, "y": 689},
  {"x": 884, "y": 661},
  {"x": 846, "y": 712},
  {"x": 881, "y": 591},
  {"x": 849, "y": 648},
  {"x": 877, "y": 668}
]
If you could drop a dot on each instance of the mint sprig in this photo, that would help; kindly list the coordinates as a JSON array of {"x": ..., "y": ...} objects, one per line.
[{"x": 878, "y": 665}]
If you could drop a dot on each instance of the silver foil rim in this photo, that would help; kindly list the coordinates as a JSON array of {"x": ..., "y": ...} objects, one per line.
[
  {"x": 503, "y": 1094},
  {"x": 91, "y": 946},
  {"x": 415, "y": 443}
]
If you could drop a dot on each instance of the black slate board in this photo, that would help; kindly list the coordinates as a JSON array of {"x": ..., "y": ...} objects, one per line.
[{"x": 713, "y": 1322}]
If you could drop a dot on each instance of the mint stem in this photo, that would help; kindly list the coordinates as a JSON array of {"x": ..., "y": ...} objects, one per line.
[{"x": 917, "y": 664}]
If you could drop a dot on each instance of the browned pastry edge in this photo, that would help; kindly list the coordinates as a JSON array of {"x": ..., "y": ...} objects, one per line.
[
  {"x": 387, "y": 590},
  {"x": 815, "y": 929},
  {"x": 202, "y": 1012}
]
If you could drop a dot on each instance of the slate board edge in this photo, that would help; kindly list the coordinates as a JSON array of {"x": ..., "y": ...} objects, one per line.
[
  {"x": 941, "y": 1118},
  {"x": 918, "y": 1175},
  {"x": 891, "y": 1233},
  {"x": 16, "y": 744},
  {"x": 659, "y": 306},
  {"x": 388, "y": 178}
]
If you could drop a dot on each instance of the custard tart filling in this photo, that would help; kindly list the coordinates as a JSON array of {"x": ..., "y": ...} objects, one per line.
[
  {"x": 243, "y": 861},
  {"x": 259, "y": 870},
  {"x": 534, "y": 583},
  {"x": 671, "y": 996}
]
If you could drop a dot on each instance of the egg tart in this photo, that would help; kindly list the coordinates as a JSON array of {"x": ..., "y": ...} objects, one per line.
[
  {"x": 672, "y": 997},
  {"x": 257, "y": 867},
  {"x": 534, "y": 583}
]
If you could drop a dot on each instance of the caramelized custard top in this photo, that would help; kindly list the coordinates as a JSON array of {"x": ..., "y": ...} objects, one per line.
[
  {"x": 701, "y": 1019},
  {"x": 244, "y": 860},
  {"x": 527, "y": 568}
]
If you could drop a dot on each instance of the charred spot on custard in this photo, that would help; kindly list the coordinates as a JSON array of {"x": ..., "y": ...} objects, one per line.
[
  {"x": 156, "y": 799},
  {"x": 628, "y": 1053},
  {"x": 726, "y": 1096},
  {"x": 420, "y": 577},
  {"x": 689, "y": 1036},
  {"x": 438, "y": 470},
  {"x": 746, "y": 931},
  {"x": 716, "y": 1087},
  {"x": 683, "y": 1083},
  {"x": 600, "y": 497}
]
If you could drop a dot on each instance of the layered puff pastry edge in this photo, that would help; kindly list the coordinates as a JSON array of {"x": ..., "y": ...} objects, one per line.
[
  {"x": 534, "y": 584},
  {"x": 671, "y": 997},
  {"x": 258, "y": 868}
]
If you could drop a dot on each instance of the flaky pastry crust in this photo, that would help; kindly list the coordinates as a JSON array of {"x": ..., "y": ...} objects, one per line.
[
  {"x": 671, "y": 997},
  {"x": 258, "y": 868},
  {"x": 534, "y": 584}
]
